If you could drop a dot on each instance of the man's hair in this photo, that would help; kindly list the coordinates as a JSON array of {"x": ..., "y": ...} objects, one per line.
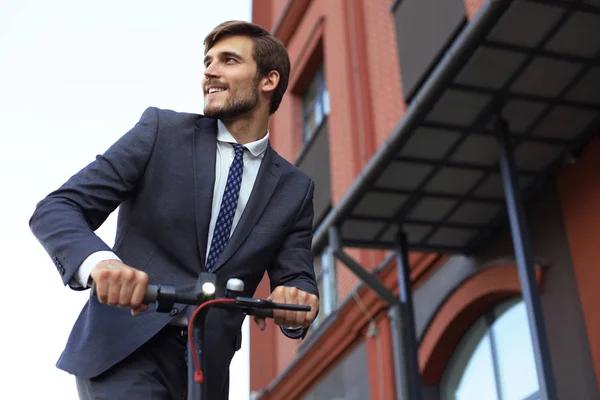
[{"x": 269, "y": 53}]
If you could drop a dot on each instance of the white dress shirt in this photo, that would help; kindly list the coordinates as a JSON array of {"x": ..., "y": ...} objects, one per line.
[{"x": 252, "y": 159}]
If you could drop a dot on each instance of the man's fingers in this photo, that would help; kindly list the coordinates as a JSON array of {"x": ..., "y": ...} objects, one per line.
[
  {"x": 101, "y": 279},
  {"x": 114, "y": 288},
  {"x": 313, "y": 302},
  {"x": 101, "y": 292},
  {"x": 278, "y": 296},
  {"x": 291, "y": 297},
  {"x": 118, "y": 284},
  {"x": 260, "y": 322},
  {"x": 127, "y": 287},
  {"x": 279, "y": 316},
  {"x": 138, "y": 310},
  {"x": 300, "y": 316},
  {"x": 139, "y": 291}
]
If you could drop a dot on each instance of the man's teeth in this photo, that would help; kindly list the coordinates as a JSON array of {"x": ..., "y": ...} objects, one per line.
[{"x": 214, "y": 90}]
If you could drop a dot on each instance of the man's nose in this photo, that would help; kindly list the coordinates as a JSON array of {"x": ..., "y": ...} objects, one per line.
[{"x": 211, "y": 71}]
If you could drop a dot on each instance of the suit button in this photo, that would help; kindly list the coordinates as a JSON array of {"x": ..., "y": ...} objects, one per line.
[{"x": 173, "y": 312}]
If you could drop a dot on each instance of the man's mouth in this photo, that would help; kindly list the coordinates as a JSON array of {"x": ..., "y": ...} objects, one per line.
[{"x": 215, "y": 91}]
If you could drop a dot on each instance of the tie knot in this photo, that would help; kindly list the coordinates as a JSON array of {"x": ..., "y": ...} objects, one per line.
[{"x": 238, "y": 150}]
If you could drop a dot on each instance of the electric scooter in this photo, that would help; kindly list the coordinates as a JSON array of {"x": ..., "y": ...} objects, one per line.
[{"x": 202, "y": 298}]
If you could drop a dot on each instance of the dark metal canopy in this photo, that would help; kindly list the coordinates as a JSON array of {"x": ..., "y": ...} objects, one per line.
[{"x": 535, "y": 62}]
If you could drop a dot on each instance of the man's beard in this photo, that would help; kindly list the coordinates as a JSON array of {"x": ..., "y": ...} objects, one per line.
[{"x": 241, "y": 102}]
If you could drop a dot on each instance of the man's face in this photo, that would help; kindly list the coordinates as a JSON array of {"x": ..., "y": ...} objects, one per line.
[{"x": 231, "y": 82}]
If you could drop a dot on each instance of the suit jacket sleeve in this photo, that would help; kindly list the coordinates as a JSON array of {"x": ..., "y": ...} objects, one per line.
[
  {"x": 293, "y": 265},
  {"x": 64, "y": 222}
]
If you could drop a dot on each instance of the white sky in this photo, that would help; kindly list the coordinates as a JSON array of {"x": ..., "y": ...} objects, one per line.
[{"x": 74, "y": 77}]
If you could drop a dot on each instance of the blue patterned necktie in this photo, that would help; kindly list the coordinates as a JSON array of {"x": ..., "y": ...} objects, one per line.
[{"x": 228, "y": 206}]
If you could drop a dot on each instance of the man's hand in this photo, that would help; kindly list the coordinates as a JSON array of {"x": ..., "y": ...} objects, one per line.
[
  {"x": 120, "y": 285},
  {"x": 291, "y": 295}
]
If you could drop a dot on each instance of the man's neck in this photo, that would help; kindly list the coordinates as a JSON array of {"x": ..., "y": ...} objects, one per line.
[{"x": 247, "y": 130}]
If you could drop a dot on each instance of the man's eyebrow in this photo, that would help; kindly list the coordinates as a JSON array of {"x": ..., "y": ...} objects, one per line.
[{"x": 228, "y": 53}]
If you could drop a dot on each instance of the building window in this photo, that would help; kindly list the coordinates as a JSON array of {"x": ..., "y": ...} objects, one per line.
[
  {"x": 347, "y": 380},
  {"x": 494, "y": 360},
  {"x": 315, "y": 104},
  {"x": 325, "y": 274}
]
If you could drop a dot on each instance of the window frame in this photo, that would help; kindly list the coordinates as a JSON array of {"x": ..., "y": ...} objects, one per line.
[
  {"x": 327, "y": 283},
  {"x": 488, "y": 318},
  {"x": 317, "y": 106}
]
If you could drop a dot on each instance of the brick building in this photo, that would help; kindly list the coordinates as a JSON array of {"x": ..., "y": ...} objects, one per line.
[{"x": 393, "y": 109}]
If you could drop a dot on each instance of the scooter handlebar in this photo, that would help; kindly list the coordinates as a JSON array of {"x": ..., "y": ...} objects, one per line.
[{"x": 251, "y": 306}]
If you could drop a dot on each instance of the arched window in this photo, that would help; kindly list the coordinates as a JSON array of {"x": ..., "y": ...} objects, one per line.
[{"x": 494, "y": 360}]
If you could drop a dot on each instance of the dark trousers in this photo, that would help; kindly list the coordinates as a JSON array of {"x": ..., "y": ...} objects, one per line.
[{"x": 156, "y": 371}]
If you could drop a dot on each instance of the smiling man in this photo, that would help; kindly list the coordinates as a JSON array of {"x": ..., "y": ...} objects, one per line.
[{"x": 196, "y": 193}]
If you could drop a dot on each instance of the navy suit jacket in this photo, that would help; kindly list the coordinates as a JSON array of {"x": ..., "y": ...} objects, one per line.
[{"x": 161, "y": 173}]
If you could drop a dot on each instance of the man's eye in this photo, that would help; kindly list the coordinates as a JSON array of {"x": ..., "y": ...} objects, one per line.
[{"x": 229, "y": 60}]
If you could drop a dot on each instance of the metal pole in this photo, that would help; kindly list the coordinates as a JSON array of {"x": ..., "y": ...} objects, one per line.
[
  {"x": 524, "y": 256},
  {"x": 400, "y": 365},
  {"x": 408, "y": 318},
  {"x": 365, "y": 276}
]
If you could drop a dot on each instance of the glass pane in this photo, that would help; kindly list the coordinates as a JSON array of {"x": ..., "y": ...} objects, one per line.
[
  {"x": 470, "y": 373},
  {"x": 516, "y": 364},
  {"x": 315, "y": 104},
  {"x": 309, "y": 126},
  {"x": 318, "y": 264},
  {"x": 328, "y": 290},
  {"x": 310, "y": 95},
  {"x": 321, "y": 316},
  {"x": 326, "y": 102},
  {"x": 318, "y": 115},
  {"x": 309, "y": 106}
]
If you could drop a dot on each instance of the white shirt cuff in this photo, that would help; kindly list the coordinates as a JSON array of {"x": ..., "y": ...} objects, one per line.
[{"x": 82, "y": 275}]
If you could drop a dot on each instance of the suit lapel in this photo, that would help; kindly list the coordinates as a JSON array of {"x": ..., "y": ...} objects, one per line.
[
  {"x": 205, "y": 150},
  {"x": 264, "y": 186}
]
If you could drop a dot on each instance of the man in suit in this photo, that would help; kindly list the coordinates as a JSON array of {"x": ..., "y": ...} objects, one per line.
[{"x": 196, "y": 192}]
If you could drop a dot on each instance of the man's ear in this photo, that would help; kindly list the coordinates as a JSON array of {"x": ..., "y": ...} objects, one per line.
[{"x": 269, "y": 83}]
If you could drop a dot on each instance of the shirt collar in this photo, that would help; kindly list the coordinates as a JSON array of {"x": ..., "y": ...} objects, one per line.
[{"x": 255, "y": 148}]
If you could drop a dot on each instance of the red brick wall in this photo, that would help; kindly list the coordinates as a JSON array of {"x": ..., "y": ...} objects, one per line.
[
  {"x": 580, "y": 197},
  {"x": 380, "y": 360},
  {"x": 384, "y": 69},
  {"x": 278, "y": 6},
  {"x": 364, "y": 82},
  {"x": 265, "y": 349},
  {"x": 263, "y": 15},
  {"x": 374, "y": 54},
  {"x": 351, "y": 130},
  {"x": 340, "y": 81},
  {"x": 263, "y": 355},
  {"x": 286, "y": 123}
]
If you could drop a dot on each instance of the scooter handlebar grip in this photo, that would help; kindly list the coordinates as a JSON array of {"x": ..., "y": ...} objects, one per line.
[
  {"x": 263, "y": 313},
  {"x": 151, "y": 294}
]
